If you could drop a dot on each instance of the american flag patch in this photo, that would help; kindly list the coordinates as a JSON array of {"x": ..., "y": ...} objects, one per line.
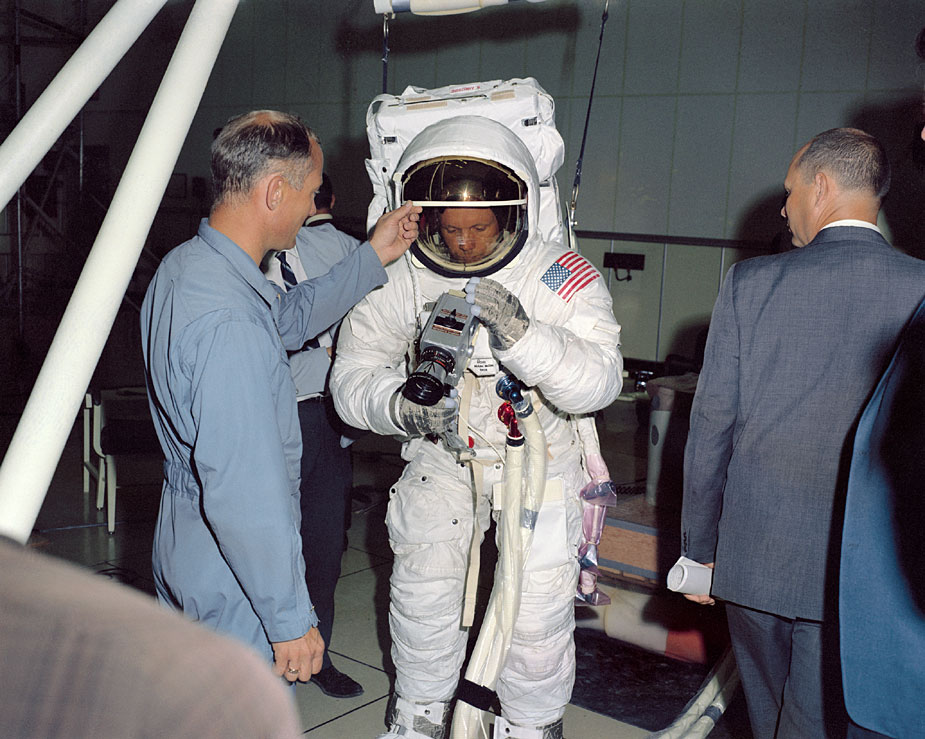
[{"x": 568, "y": 274}]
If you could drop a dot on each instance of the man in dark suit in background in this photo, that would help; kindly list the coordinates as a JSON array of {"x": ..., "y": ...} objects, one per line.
[
  {"x": 326, "y": 469},
  {"x": 796, "y": 344}
]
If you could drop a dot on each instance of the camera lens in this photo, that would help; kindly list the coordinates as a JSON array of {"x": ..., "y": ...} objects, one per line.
[{"x": 426, "y": 385}]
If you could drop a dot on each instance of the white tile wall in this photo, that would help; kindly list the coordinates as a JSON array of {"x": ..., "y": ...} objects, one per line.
[
  {"x": 891, "y": 52},
  {"x": 691, "y": 272},
  {"x": 698, "y": 107},
  {"x": 645, "y": 163},
  {"x": 637, "y": 302},
  {"x": 610, "y": 76},
  {"x": 836, "y": 30},
  {"x": 764, "y": 140},
  {"x": 653, "y": 48},
  {"x": 600, "y": 165},
  {"x": 701, "y": 156},
  {"x": 820, "y": 111},
  {"x": 771, "y": 46},
  {"x": 710, "y": 67}
]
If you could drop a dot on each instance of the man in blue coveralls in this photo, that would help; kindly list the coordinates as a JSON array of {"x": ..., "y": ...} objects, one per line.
[{"x": 215, "y": 333}]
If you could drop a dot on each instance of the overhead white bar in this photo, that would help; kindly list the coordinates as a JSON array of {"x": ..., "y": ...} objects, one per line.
[
  {"x": 69, "y": 91},
  {"x": 36, "y": 447},
  {"x": 437, "y": 7}
]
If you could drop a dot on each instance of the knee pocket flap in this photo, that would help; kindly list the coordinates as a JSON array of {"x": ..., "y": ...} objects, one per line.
[
  {"x": 430, "y": 564},
  {"x": 429, "y": 615},
  {"x": 542, "y": 617},
  {"x": 542, "y": 658},
  {"x": 420, "y": 639},
  {"x": 554, "y": 585},
  {"x": 427, "y": 579},
  {"x": 423, "y": 510}
]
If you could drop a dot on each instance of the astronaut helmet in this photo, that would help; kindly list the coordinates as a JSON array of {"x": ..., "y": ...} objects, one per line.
[{"x": 475, "y": 214}]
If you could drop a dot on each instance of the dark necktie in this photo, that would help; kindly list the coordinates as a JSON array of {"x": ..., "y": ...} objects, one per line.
[
  {"x": 291, "y": 281},
  {"x": 288, "y": 275}
]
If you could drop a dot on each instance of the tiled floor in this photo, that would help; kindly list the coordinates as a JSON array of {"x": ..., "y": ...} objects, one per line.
[{"x": 69, "y": 527}]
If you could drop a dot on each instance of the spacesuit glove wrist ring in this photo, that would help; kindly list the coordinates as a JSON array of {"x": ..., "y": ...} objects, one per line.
[
  {"x": 393, "y": 409},
  {"x": 422, "y": 420}
]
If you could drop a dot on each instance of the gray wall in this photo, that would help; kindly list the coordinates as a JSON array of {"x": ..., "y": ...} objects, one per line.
[{"x": 698, "y": 109}]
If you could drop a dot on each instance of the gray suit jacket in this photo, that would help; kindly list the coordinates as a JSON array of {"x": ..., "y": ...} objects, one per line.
[{"x": 796, "y": 344}]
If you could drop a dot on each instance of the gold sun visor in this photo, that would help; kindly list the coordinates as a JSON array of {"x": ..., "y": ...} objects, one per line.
[{"x": 474, "y": 218}]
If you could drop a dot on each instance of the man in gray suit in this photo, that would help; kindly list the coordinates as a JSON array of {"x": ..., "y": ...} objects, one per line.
[{"x": 796, "y": 344}]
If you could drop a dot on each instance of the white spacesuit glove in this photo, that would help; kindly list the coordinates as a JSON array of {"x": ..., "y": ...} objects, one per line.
[
  {"x": 499, "y": 309},
  {"x": 420, "y": 420}
]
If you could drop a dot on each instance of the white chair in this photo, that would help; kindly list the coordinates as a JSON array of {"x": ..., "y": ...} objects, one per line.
[{"x": 104, "y": 440}]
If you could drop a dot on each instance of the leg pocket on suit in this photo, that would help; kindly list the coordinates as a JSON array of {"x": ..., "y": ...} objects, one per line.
[
  {"x": 557, "y": 532},
  {"x": 423, "y": 510}
]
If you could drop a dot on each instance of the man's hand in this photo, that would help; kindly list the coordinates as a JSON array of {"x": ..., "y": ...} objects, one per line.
[
  {"x": 298, "y": 659},
  {"x": 420, "y": 420},
  {"x": 499, "y": 310},
  {"x": 395, "y": 231},
  {"x": 704, "y": 600}
]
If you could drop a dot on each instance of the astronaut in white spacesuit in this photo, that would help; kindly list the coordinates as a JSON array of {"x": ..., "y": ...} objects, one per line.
[{"x": 547, "y": 320}]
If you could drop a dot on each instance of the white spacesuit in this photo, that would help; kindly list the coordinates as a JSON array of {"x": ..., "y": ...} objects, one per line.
[{"x": 551, "y": 326}]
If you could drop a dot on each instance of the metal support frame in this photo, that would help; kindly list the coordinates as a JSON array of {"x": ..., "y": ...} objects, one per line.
[
  {"x": 59, "y": 389},
  {"x": 60, "y": 36}
]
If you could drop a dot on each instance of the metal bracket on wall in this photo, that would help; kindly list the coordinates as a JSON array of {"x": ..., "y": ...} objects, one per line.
[{"x": 621, "y": 260}]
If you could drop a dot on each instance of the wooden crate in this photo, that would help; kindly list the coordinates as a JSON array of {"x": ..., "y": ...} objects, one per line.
[{"x": 640, "y": 542}]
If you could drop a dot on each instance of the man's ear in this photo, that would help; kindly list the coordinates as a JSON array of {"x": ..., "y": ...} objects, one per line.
[
  {"x": 274, "y": 191},
  {"x": 822, "y": 187}
]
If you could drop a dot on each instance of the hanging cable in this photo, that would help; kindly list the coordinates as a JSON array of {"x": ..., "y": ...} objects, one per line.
[
  {"x": 385, "y": 53},
  {"x": 573, "y": 204}
]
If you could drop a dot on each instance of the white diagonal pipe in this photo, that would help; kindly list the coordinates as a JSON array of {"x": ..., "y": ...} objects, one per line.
[
  {"x": 49, "y": 415},
  {"x": 71, "y": 88},
  {"x": 700, "y": 715}
]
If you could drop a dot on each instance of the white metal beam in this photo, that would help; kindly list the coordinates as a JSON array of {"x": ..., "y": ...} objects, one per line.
[
  {"x": 69, "y": 91},
  {"x": 49, "y": 415},
  {"x": 437, "y": 7}
]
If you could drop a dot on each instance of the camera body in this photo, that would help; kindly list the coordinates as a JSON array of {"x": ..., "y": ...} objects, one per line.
[{"x": 444, "y": 348}]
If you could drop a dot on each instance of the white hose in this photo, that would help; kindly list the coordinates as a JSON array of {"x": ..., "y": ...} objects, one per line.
[
  {"x": 700, "y": 715},
  {"x": 514, "y": 540},
  {"x": 494, "y": 640},
  {"x": 536, "y": 455}
]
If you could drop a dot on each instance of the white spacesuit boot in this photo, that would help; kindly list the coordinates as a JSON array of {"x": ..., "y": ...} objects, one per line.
[
  {"x": 504, "y": 729},
  {"x": 413, "y": 720}
]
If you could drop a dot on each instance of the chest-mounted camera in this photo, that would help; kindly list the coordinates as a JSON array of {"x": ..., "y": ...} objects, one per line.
[{"x": 444, "y": 348}]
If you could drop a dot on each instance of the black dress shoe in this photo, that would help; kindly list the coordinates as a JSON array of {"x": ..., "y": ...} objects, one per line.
[{"x": 336, "y": 684}]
